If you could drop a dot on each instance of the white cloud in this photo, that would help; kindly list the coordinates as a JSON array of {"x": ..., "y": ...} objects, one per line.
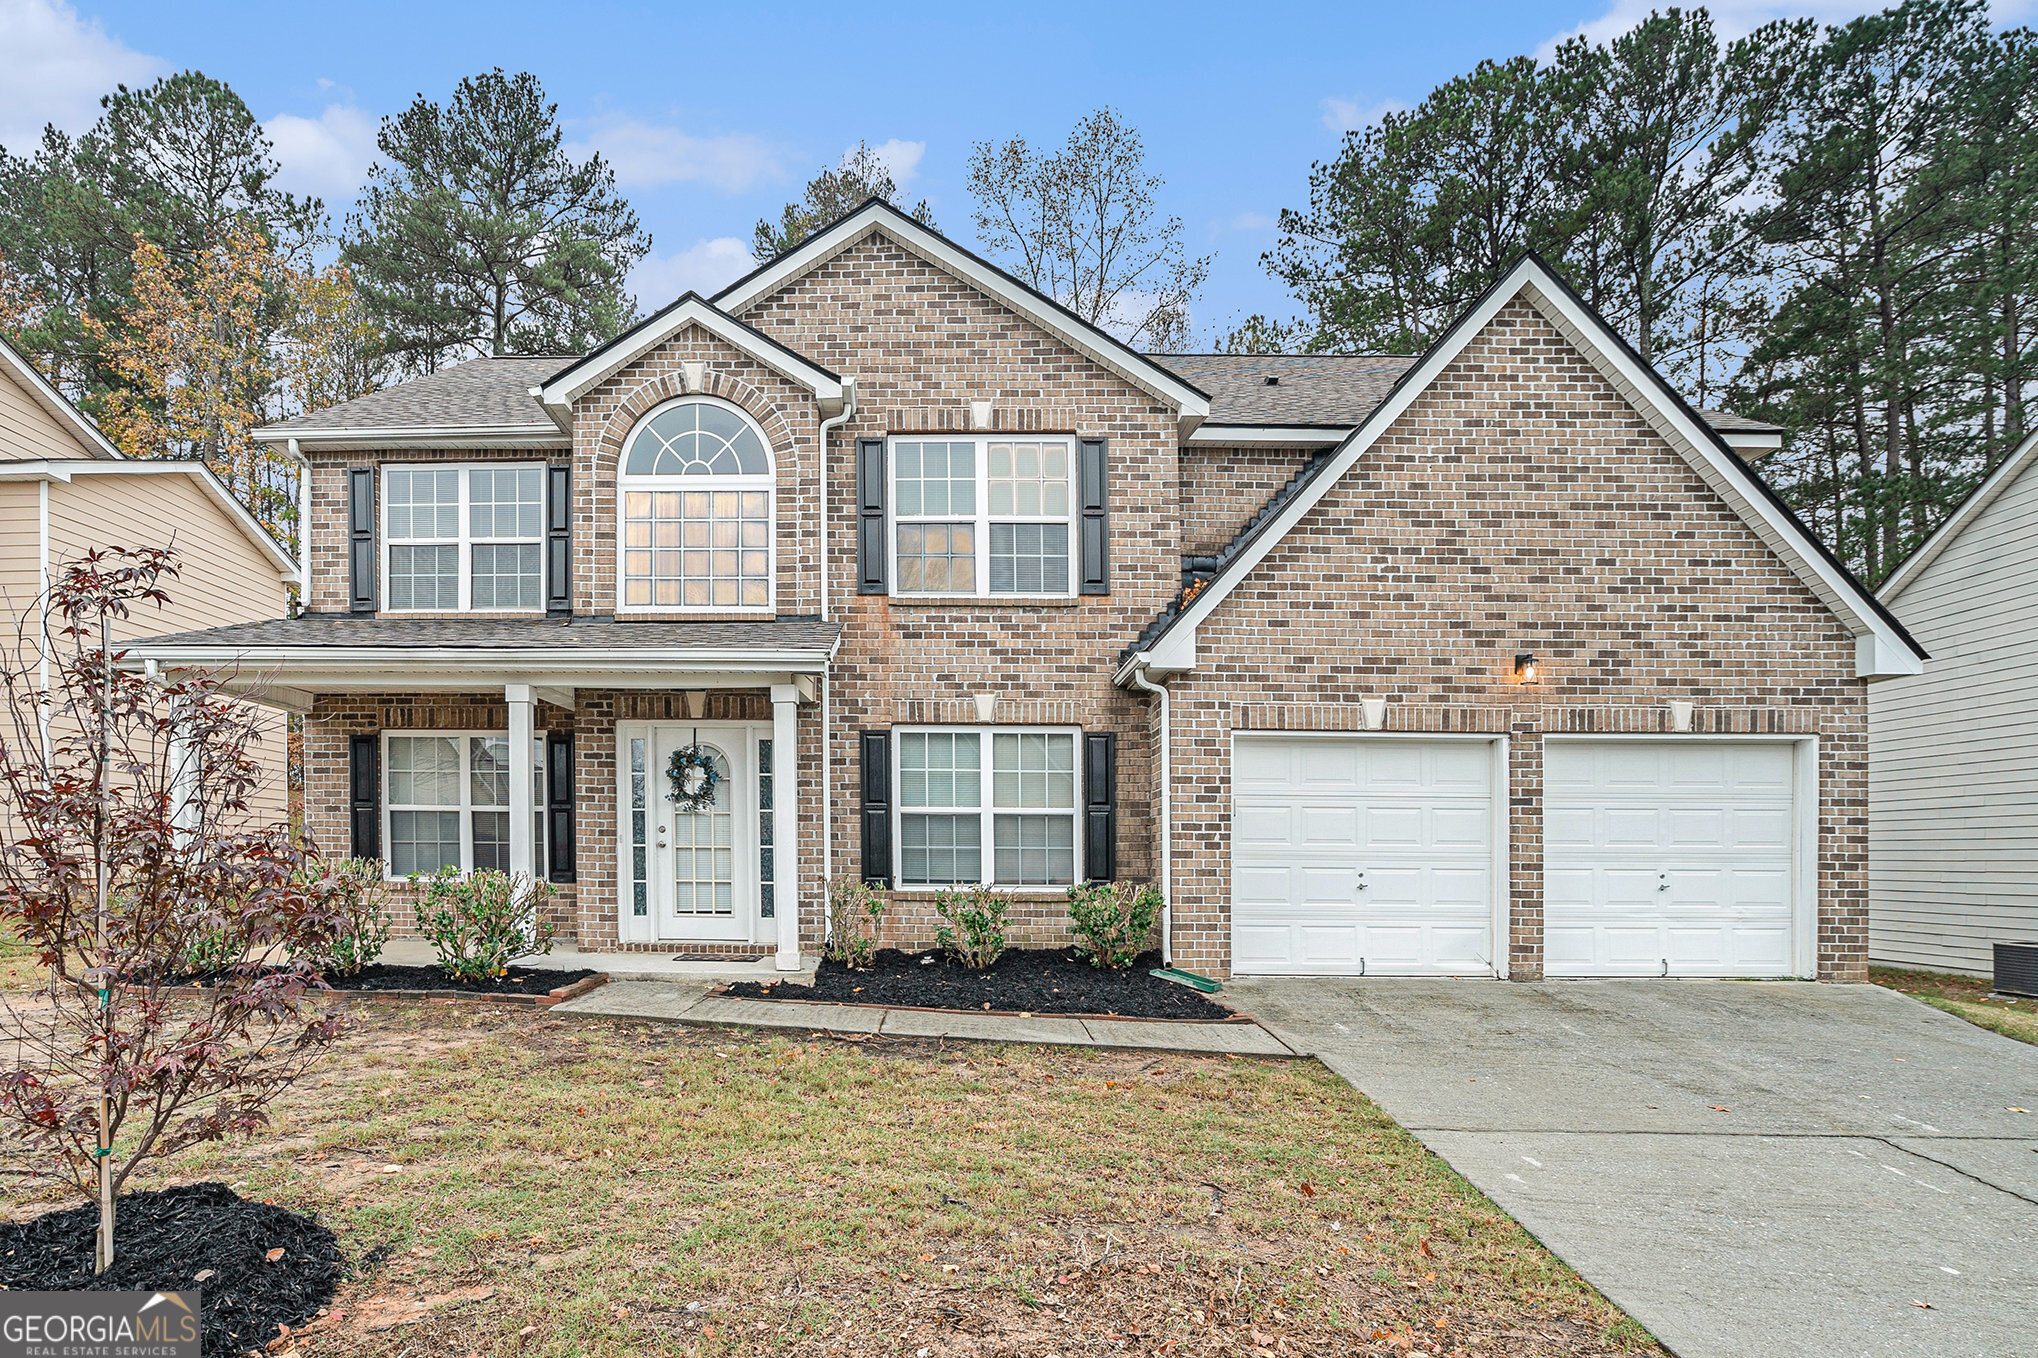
[
  {"x": 648, "y": 154},
  {"x": 1737, "y": 18},
  {"x": 1253, "y": 221},
  {"x": 1348, "y": 115},
  {"x": 705, "y": 267},
  {"x": 901, "y": 159},
  {"x": 328, "y": 155},
  {"x": 54, "y": 67}
]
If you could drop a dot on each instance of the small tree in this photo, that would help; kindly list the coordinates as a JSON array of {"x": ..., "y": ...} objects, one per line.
[{"x": 127, "y": 846}]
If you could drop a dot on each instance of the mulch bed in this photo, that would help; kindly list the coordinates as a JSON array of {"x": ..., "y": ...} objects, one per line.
[
  {"x": 203, "y": 1236},
  {"x": 519, "y": 981},
  {"x": 1042, "y": 981}
]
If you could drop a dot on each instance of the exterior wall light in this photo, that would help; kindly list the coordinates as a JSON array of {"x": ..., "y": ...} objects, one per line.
[{"x": 1526, "y": 669}]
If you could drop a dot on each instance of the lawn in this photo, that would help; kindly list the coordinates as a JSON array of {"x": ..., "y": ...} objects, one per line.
[
  {"x": 518, "y": 1183},
  {"x": 1966, "y": 996}
]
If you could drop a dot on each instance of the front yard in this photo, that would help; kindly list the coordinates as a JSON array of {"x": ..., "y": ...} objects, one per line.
[
  {"x": 517, "y": 1183},
  {"x": 1966, "y": 996}
]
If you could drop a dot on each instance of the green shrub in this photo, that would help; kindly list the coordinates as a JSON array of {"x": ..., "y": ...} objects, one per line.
[
  {"x": 973, "y": 932},
  {"x": 1113, "y": 920},
  {"x": 357, "y": 899},
  {"x": 482, "y": 921},
  {"x": 854, "y": 909}
]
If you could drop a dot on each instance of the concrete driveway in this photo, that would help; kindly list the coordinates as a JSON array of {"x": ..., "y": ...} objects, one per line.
[{"x": 1746, "y": 1168}]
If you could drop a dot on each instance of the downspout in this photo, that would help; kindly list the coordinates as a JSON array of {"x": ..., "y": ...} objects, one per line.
[
  {"x": 303, "y": 526},
  {"x": 828, "y": 426},
  {"x": 1140, "y": 680},
  {"x": 42, "y": 595}
]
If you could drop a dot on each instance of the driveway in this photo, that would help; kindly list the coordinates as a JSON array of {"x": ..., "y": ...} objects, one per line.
[{"x": 1745, "y": 1167}]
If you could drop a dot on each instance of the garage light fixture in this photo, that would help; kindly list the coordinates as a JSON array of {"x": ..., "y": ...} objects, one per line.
[{"x": 1526, "y": 670}]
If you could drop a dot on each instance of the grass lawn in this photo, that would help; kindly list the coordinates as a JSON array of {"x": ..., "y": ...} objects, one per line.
[
  {"x": 1966, "y": 996},
  {"x": 521, "y": 1184}
]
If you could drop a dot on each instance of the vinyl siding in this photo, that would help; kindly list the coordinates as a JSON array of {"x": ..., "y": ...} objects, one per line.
[
  {"x": 27, "y": 431},
  {"x": 1953, "y": 753}
]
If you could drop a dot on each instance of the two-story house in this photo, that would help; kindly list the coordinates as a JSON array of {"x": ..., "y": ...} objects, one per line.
[{"x": 1493, "y": 660}]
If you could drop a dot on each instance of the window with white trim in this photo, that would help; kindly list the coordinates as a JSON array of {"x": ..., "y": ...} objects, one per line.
[
  {"x": 464, "y": 538},
  {"x": 983, "y": 516},
  {"x": 696, "y": 487},
  {"x": 447, "y": 799},
  {"x": 987, "y": 805}
]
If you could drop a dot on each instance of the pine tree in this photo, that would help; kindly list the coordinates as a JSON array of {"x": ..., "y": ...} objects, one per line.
[{"x": 835, "y": 192}]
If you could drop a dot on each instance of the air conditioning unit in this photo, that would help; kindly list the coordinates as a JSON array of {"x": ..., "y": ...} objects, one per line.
[{"x": 2017, "y": 969}]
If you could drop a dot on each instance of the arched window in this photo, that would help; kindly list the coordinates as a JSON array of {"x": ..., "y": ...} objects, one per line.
[{"x": 696, "y": 488}]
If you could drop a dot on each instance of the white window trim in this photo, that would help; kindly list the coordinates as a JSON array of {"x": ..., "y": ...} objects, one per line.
[
  {"x": 983, "y": 518},
  {"x": 768, "y": 483},
  {"x": 539, "y": 809},
  {"x": 987, "y": 811},
  {"x": 466, "y": 540}
]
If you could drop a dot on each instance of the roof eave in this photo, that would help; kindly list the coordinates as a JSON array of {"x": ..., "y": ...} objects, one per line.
[
  {"x": 372, "y": 439},
  {"x": 1969, "y": 509}
]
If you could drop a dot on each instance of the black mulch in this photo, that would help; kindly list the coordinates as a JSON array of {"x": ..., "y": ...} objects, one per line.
[
  {"x": 1057, "y": 981},
  {"x": 519, "y": 981},
  {"x": 165, "y": 1240}
]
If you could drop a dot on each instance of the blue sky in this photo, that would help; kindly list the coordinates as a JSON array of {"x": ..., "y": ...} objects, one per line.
[{"x": 714, "y": 115}]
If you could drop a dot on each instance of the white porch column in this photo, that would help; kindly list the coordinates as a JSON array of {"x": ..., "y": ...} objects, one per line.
[
  {"x": 785, "y": 781},
  {"x": 522, "y": 773}
]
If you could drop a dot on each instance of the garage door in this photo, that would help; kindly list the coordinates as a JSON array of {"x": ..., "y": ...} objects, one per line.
[
  {"x": 1362, "y": 856},
  {"x": 1667, "y": 858}
]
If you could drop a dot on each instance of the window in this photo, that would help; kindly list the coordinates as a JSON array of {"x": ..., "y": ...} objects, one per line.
[
  {"x": 982, "y": 516},
  {"x": 449, "y": 802},
  {"x": 463, "y": 539},
  {"x": 987, "y": 806},
  {"x": 696, "y": 486}
]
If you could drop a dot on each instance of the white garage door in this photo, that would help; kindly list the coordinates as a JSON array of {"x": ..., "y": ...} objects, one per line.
[
  {"x": 1356, "y": 856},
  {"x": 1667, "y": 858}
]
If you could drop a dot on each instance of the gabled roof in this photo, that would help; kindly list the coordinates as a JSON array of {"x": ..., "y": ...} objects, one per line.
[
  {"x": 877, "y": 217},
  {"x": 558, "y": 393},
  {"x": 482, "y": 403},
  {"x": 1882, "y": 647},
  {"x": 70, "y": 469},
  {"x": 1970, "y": 509},
  {"x": 54, "y": 403}
]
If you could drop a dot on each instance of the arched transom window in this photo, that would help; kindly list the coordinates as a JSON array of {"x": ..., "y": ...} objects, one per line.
[{"x": 696, "y": 486}]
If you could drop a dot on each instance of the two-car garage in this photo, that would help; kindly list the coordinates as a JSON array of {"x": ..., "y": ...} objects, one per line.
[{"x": 1388, "y": 854}]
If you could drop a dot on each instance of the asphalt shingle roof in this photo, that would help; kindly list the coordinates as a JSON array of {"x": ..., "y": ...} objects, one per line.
[
  {"x": 479, "y": 392},
  {"x": 593, "y": 634}
]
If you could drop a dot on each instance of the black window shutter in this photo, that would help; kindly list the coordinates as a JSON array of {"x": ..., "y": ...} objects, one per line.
[
  {"x": 1096, "y": 556},
  {"x": 870, "y": 516},
  {"x": 361, "y": 539},
  {"x": 559, "y": 543},
  {"x": 559, "y": 805},
  {"x": 877, "y": 807},
  {"x": 1100, "y": 805},
  {"x": 364, "y": 793}
]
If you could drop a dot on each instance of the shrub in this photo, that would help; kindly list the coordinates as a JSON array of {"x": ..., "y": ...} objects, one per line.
[
  {"x": 482, "y": 921},
  {"x": 357, "y": 897},
  {"x": 973, "y": 932},
  {"x": 854, "y": 909},
  {"x": 1113, "y": 920}
]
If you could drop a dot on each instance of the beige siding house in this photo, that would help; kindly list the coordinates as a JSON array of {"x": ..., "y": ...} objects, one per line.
[
  {"x": 65, "y": 490},
  {"x": 1953, "y": 864}
]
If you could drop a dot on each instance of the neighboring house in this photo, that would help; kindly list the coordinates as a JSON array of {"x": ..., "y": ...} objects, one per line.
[
  {"x": 65, "y": 490},
  {"x": 1953, "y": 752},
  {"x": 1063, "y": 594}
]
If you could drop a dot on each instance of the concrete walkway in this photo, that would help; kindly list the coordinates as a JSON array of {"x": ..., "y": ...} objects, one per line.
[
  {"x": 688, "y": 1001},
  {"x": 621, "y": 966},
  {"x": 1746, "y": 1168}
]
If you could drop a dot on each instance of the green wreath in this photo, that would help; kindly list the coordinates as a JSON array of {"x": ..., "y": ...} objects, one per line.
[{"x": 692, "y": 794}]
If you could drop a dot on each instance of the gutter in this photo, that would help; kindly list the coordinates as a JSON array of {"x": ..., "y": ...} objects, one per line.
[
  {"x": 1139, "y": 680},
  {"x": 828, "y": 426}
]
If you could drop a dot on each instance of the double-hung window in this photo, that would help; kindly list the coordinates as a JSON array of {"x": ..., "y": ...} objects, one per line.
[
  {"x": 448, "y": 799},
  {"x": 987, "y": 805},
  {"x": 465, "y": 539},
  {"x": 983, "y": 516}
]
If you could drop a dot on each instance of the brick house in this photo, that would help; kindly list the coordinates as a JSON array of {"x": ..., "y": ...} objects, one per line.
[{"x": 1495, "y": 660}]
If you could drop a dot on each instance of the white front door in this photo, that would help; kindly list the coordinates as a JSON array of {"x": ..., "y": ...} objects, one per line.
[
  {"x": 1358, "y": 855},
  {"x": 701, "y": 866},
  {"x": 1668, "y": 858}
]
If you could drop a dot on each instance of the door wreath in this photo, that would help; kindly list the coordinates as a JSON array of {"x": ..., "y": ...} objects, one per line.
[{"x": 694, "y": 779}]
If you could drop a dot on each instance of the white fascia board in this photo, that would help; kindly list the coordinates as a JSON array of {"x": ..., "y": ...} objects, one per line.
[
  {"x": 1956, "y": 523},
  {"x": 207, "y": 479},
  {"x": 419, "y": 436},
  {"x": 55, "y": 404},
  {"x": 562, "y": 391},
  {"x": 396, "y": 668},
  {"x": 1192, "y": 406},
  {"x": 1642, "y": 388},
  {"x": 1748, "y": 444},
  {"x": 1209, "y": 435}
]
